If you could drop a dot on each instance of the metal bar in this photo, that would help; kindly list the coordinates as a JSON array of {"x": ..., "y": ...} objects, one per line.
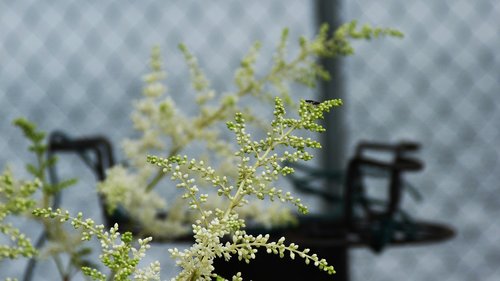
[
  {"x": 333, "y": 153},
  {"x": 333, "y": 142}
]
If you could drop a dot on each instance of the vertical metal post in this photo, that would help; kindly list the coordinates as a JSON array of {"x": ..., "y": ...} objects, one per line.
[
  {"x": 333, "y": 140},
  {"x": 333, "y": 153}
]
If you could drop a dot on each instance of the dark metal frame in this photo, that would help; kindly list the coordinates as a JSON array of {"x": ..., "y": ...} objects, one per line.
[{"x": 363, "y": 221}]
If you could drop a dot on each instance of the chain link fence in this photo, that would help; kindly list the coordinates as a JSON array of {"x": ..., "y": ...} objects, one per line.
[
  {"x": 439, "y": 86},
  {"x": 76, "y": 65}
]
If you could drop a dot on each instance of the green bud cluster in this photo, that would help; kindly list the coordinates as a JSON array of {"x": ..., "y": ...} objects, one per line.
[
  {"x": 118, "y": 251},
  {"x": 15, "y": 198},
  {"x": 245, "y": 247}
]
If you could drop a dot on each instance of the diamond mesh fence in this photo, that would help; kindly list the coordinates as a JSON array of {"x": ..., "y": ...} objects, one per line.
[
  {"x": 77, "y": 65},
  {"x": 439, "y": 86}
]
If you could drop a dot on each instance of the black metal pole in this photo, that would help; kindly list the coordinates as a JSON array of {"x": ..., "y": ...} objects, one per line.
[
  {"x": 333, "y": 152},
  {"x": 333, "y": 142}
]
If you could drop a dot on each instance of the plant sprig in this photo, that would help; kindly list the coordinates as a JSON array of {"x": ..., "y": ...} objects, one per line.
[
  {"x": 118, "y": 252},
  {"x": 60, "y": 242},
  {"x": 16, "y": 198},
  {"x": 39, "y": 147},
  {"x": 259, "y": 165}
]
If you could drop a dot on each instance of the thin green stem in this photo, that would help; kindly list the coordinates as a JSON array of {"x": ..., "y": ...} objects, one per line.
[
  {"x": 159, "y": 175},
  {"x": 197, "y": 203},
  {"x": 239, "y": 196},
  {"x": 288, "y": 248}
]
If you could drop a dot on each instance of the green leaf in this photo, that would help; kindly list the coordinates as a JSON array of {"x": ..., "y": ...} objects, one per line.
[
  {"x": 64, "y": 184},
  {"x": 50, "y": 162},
  {"x": 32, "y": 170}
]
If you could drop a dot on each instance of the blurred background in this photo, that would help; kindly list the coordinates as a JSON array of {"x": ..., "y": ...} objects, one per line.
[{"x": 77, "y": 66}]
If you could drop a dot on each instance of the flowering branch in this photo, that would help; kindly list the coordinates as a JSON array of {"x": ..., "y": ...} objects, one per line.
[
  {"x": 163, "y": 124},
  {"x": 118, "y": 253},
  {"x": 19, "y": 198},
  {"x": 259, "y": 166}
]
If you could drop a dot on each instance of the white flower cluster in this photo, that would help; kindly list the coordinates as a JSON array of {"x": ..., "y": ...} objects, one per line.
[
  {"x": 151, "y": 273},
  {"x": 143, "y": 206},
  {"x": 167, "y": 131},
  {"x": 157, "y": 119},
  {"x": 258, "y": 167}
]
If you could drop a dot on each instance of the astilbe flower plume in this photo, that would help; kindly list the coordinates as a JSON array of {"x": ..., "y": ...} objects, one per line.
[
  {"x": 259, "y": 166},
  {"x": 163, "y": 123}
]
